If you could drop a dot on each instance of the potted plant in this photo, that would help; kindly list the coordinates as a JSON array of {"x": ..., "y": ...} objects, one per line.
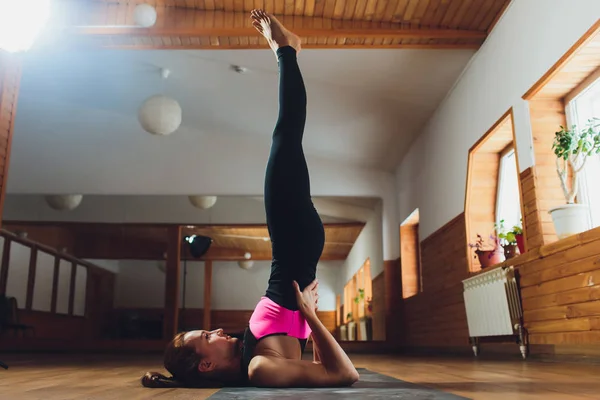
[
  {"x": 507, "y": 239},
  {"x": 351, "y": 327},
  {"x": 518, "y": 232},
  {"x": 490, "y": 253},
  {"x": 572, "y": 149}
]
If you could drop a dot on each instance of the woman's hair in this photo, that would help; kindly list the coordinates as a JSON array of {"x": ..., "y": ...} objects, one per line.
[{"x": 182, "y": 362}]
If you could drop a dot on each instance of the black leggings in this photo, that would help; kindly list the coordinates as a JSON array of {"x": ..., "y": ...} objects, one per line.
[{"x": 296, "y": 231}]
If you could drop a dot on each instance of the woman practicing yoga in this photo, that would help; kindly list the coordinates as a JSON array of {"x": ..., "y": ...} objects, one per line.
[{"x": 270, "y": 352}]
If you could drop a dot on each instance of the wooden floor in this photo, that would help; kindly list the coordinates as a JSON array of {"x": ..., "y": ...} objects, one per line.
[{"x": 64, "y": 377}]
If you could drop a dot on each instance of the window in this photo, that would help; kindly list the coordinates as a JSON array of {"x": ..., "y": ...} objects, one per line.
[
  {"x": 493, "y": 191},
  {"x": 508, "y": 200},
  {"x": 585, "y": 105}
]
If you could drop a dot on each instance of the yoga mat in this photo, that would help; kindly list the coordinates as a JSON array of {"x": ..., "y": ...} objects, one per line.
[{"x": 372, "y": 386}]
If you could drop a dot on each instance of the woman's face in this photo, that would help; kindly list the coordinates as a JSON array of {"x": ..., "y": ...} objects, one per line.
[{"x": 217, "y": 350}]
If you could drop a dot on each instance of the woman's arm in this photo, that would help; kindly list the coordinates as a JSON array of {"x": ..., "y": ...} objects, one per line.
[
  {"x": 332, "y": 356},
  {"x": 334, "y": 369},
  {"x": 316, "y": 356}
]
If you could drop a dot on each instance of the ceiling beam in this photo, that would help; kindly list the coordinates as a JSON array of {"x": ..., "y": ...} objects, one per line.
[{"x": 113, "y": 25}]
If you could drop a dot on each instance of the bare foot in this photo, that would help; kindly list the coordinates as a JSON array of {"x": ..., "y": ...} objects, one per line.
[{"x": 274, "y": 31}]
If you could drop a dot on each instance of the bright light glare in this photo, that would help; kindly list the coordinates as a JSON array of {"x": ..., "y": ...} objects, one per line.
[{"x": 21, "y": 21}]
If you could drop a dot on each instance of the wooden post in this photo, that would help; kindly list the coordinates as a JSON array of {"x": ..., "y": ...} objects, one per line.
[
  {"x": 72, "y": 287},
  {"x": 5, "y": 262},
  {"x": 31, "y": 277},
  {"x": 207, "y": 293},
  {"x": 171, "y": 318},
  {"x": 10, "y": 76},
  {"x": 393, "y": 302},
  {"x": 55, "y": 284}
]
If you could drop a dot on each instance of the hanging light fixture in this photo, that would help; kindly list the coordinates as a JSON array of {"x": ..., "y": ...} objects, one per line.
[
  {"x": 64, "y": 202},
  {"x": 144, "y": 15},
  {"x": 203, "y": 202},
  {"x": 160, "y": 114},
  {"x": 247, "y": 263}
]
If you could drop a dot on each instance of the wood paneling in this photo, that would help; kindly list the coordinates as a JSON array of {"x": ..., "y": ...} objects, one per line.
[
  {"x": 208, "y": 273},
  {"x": 394, "y": 312},
  {"x": 547, "y": 116},
  {"x": 171, "y": 321},
  {"x": 580, "y": 61},
  {"x": 531, "y": 216},
  {"x": 561, "y": 292},
  {"x": 231, "y": 321},
  {"x": 378, "y": 313},
  {"x": 10, "y": 77},
  {"x": 149, "y": 241},
  {"x": 54, "y": 326},
  {"x": 436, "y": 316},
  {"x": 339, "y": 238},
  {"x": 321, "y": 24}
]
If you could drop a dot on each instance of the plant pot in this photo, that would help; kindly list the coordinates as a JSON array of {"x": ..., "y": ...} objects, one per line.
[
  {"x": 520, "y": 243},
  {"x": 570, "y": 219},
  {"x": 351, "y": 331},
  {"x": 490, "y": 257},
  {"x": 510, "y": 250}
]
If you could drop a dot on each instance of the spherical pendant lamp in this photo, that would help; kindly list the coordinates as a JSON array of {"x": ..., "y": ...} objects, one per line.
[
  {"x": 160, "y": 115},
  {"x": 246, "y": 264},
  {"x": 144, "y": 15},
  {"x": 65, "y": 202},
  {"x": 203, "y": 202}
]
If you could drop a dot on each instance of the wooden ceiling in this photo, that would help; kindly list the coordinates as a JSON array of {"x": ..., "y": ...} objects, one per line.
[
  {"x": 144, "y": 241},
  {"x": 225, "y": 24}
]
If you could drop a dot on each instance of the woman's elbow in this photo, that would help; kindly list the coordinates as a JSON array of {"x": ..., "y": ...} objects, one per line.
[{"x": 350, "y": 378}]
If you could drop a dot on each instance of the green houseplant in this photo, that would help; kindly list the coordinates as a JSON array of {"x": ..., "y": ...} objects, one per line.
[
  {"x": 508, "y": 239},
  {"x": 517, "y": 230},
  {"x": 572, "y": 147}
]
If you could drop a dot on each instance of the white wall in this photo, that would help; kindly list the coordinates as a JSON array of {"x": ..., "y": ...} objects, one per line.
[
  {"x": 368, "y": 245},
  {"x": 527, "y": 41},
  {"x": 109, "y": 265},
  {"x": 18, "y": 274},
  {"x": 141, "y": 284}
]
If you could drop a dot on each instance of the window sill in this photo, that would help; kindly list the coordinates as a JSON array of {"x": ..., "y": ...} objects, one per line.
[{"x": 546, "y": 250}]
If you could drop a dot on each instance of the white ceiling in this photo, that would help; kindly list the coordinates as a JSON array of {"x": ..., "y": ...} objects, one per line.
[{"x": 364, "y": 106}]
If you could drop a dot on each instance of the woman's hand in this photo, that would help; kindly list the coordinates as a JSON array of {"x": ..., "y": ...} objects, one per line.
[{"x": 308, "y": 299}]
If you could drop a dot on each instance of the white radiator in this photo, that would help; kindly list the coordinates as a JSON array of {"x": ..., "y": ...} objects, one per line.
[{"x": 493, "y": 305}]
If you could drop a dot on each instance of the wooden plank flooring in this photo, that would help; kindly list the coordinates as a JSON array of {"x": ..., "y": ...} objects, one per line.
[{"x": 44, "y": 376}]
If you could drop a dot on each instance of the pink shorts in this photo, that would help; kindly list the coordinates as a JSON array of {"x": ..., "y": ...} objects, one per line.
[{"x": 270, "y": 318}]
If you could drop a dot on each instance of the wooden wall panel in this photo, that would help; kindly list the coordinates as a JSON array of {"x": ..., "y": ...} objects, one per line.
[
  {"x": 231, "y": 321},
  {"x": 531, "y": 217},
  {"x": 185, "y": 24},
  {"x": 561, "y": 293},
  {"x": 53, "y": 326},
  {"x": 394, "y": 313},
  {"x": 10, "y": 76},
  {"x": 437, "y": 317},
  {"x": 547, "y": 116},
  {"x": 52, "y": 236},
  {"x": 378, "y": 313}
]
